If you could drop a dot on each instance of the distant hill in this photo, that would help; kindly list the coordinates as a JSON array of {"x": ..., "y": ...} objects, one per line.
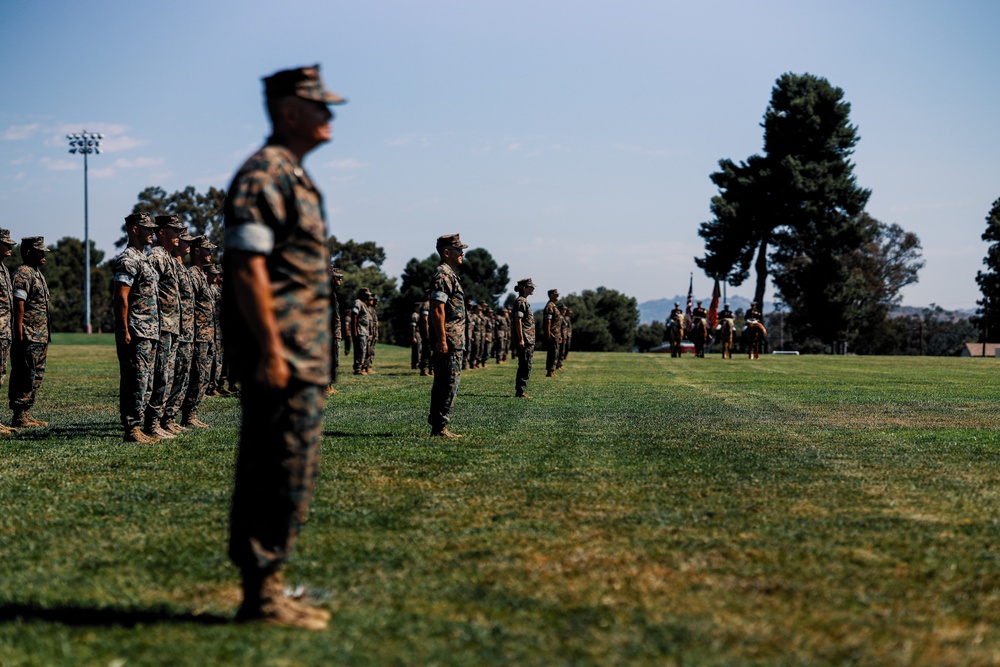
[{"x": 659, "y": 309}]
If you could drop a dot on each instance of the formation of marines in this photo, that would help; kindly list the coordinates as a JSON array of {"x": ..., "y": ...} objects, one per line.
[
  {"x": 184, "y": 329},
  {"x": 168, "y": 332}
]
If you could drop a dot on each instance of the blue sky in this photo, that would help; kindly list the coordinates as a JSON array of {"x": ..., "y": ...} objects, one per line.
[{"x": 573, "y": 140}]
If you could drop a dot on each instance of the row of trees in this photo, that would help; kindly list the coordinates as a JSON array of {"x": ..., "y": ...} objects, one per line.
[
  {"x": 603, "y": 319},
  {"x": 797, "y": 214}
]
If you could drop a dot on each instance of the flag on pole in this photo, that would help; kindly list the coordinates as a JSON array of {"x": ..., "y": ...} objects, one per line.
[
  {"x": 690, "y": 305},
  {"x": 713, "y": 310}
]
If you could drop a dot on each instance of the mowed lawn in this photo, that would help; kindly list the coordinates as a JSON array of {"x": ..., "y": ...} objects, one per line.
[{"x": 639, "y": 510}]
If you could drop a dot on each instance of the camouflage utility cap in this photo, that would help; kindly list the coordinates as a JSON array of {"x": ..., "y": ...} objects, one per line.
[
  {"x": 213, "y": 269},
  {"x": 450, "y": 241},
  {"x": 5, "y": 237},
  {"x": 364, "y": 293},
  {"x": 525, "y": 282},
  {"x": 203, "y": 243},
  {"x": 33, "y": 243},
  {"x": 141, "y": 219},
  {"x": 335, "y": 273},
  {"x": 186, "y": 236},
  {"x": 553, "y": 292},
  {"x": 171, "y": 221},
  {"x": 301, "y": 82}
]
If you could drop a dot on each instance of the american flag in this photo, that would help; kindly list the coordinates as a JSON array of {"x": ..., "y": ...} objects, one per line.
[
  {"x": 690, "y": 306},
  {"x": 713, "y": 310}
]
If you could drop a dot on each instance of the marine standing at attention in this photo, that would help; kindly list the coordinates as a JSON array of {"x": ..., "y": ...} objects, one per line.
[
  {"x": 137, "y": 326},
  {"x": 30, "y": 332},
  {"x": 168, "y": 232},
  {"x": 552, "y": 321},
  {"x": 523, "y": 335},
  {"x": 6, "y": 312},
  {"x": 447, "y": 322},
  {"x": 277, "y": 310}
]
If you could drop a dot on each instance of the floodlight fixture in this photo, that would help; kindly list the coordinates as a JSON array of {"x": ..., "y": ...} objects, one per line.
[{"x": 84, "y": 144}]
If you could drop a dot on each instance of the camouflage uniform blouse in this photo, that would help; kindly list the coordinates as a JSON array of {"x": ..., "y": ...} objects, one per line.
[
  {"x": 336, "y": 324},
  {"x": 169, "y": 297},
  {"x": 6, "y": 303},
  {"x": 204, "y": 307},
  {"x": 553, "y": 315},
  {"x": 274, "y": 209},
  {"x": 522, "y": 312},
  {"x": 132, "y": 268},
  {"x": 185, "y": 293},
  {"x": 447, "y": 289},
  {"x": 364, "y": 317}
]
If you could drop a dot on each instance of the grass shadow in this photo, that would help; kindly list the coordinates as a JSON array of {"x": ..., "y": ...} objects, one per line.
[
  {"x": 69, "y": 431},
  {"x": 103, "y": 616}
]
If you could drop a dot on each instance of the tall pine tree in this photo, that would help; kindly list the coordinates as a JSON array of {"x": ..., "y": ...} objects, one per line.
[{"x": 988, "y": 314}]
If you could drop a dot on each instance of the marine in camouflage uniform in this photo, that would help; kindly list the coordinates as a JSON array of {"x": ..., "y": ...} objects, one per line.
[
  {"x": 361, "y": 329},
  {"x": 30, "y": 332},
  {"x": 552, "y": 323},
  {"x": 217, "y": 380},
  {"x": 277, "y": 306},
  {"x": 168, "y": 231},
  {"x": 447, "y": 332},
  {"x": 425, "y": 364},
  {"x": 567, "y": 334},
  {"x": 373, "y": 337},
  {"x": 185, "y": 339},
  {"x": 470, "y": 334},
  {"x": 486, "y": 344},
  {"x": 501, "y": 335},
  {"x": 137, "y": 326},
  {"x": 6, "y": 311},
  {"x": 523, "y": 336},
  {"x": 204, "y": 333},
  {"x": 416, "y": 340},
  {"x": 336, "y": 328}
]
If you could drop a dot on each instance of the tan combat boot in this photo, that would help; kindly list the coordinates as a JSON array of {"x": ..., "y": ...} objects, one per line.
[
  {"x": 264, "y": 600},
  {"x": 135, "y": 434},
  {"x": 191, "y": 419}
]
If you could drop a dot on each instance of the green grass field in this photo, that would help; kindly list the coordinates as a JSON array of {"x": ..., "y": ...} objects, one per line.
[{"x": 640, "y": 510}]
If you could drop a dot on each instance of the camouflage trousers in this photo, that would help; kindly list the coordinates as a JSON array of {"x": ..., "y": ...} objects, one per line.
[
  {"x": 447, "y": 375},
  {"x": 370, "y": 353},
  {"x": 334, "y": 360},
  {"x": 551, "y": 354},
  {"x": 136, "y": 366},
  {"x": 414, "y": 355},
  {"x": 179, "y": 385},
  {"x": 500, "y": 348},
  {"x": 163, "y": 376},
  {"x": 484, "y": 351},
  {"x": 4, "y": 355},
  {"x": 27, "y": 368},
  {"x": 360, "y": 352},
  {"x": 276, "y": 469},
  {"x": 425, "y": 355},
  {"x": 524, "y": 355},
  {"x": 220, "y": 369},
  {"x": 198, "y": 378},
  {"x": 563, "y": 349}
]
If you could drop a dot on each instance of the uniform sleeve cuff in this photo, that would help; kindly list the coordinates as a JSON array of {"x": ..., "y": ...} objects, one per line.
[
  {"x": 124, "y": 279},
  {"x": 250, "y": 237}
]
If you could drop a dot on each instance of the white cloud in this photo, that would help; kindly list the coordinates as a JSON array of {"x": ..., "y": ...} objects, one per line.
[
  {"x": 20, "y": 132},
  {"x": 23, "y": 159},
  {"x": 138, "y": 163},
  {"x": 102, "y": 174},
  {"x": 61, "y": 164},
  {"x": 346, "y": 163}
]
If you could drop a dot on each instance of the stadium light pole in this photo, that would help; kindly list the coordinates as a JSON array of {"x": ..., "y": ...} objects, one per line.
[{"x": 86, "y": 143}]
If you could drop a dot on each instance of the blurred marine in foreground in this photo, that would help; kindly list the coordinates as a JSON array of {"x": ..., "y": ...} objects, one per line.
[{"x": 277, "y": 319}]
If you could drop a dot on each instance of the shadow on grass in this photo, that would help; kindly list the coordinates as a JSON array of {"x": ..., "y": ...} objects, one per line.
[
  {"x": 69, "y": 431},
  {"x": 344, "y": 434},
  {"x": 102, "y": 616}
]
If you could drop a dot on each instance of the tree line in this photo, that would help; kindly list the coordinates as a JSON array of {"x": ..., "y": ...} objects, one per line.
[{"x": 604, "y": 319}]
